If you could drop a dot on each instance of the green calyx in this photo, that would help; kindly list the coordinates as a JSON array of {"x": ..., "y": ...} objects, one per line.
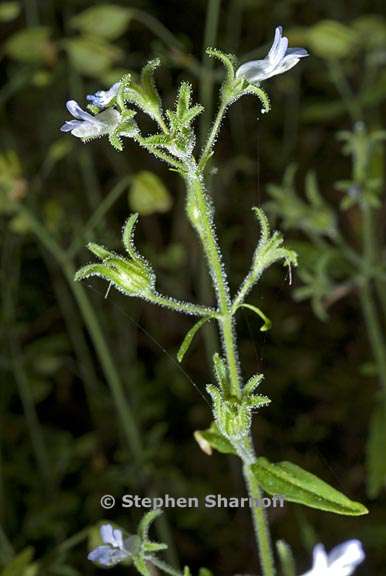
[
  {"x": 133, "y": 276},
  {"x": 233, "y": 415}
]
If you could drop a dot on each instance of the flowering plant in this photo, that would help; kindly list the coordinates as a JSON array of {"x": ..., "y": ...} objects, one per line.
[{"x": 234, "y": 399}]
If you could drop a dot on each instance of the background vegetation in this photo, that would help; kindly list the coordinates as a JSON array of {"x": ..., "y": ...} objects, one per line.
[{"x": 93, "y": 400}]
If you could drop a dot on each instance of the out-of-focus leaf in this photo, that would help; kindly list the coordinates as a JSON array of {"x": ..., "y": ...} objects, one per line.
[
  {"x": 371, "y": 30},
  {"x": 330, "y": 39},
  {"x": 90, "y": 55},
  {"x": 19, "y": 565},
  {"x": 32, "y": 45},
  {"x": 148, "y": 194},
  {"x": 20, "y": 223},
  {"x": 107, "y": 20},
  {"x": 286, "y": 558},
  {"x": 376, "y": 461},
  {"x": 298, "y": 485},
  {"x": 9, "y": 11},
  {"x": 56, "y": 152}
]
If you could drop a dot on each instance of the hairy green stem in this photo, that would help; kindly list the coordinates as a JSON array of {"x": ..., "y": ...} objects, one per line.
[
  {"x": 213, "y": 135},
  {"x": 200, "y": 213},
  {"x": 206, "y": 84},
  {"x": 182, "y": 306},
  {"x": 163, "y": 566},
  {"x": 260, "y": 523}
]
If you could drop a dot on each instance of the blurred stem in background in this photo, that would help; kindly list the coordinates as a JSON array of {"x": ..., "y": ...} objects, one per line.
[
  {"x": 11, "y": 266},
  {"x": 126, "y": 417}
]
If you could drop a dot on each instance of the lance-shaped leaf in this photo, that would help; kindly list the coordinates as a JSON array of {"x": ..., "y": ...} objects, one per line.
[
  {"x": 212, "y": 438},
  {"x": 298, "y": 485},
  {"x": 189, "y": 337}
]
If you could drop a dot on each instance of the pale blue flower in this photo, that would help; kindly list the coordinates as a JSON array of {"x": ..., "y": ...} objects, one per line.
[
  {"x": 279, "y": 59},
  {"x": 86, "y": 125},
  {"x": 341, "y": 561},
  {"x": 103, "y": 98},
  {"x": 113, "y": 550}
]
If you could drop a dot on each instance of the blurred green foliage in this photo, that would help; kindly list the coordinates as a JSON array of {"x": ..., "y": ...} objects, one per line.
[{"x": 92, "y": 399}]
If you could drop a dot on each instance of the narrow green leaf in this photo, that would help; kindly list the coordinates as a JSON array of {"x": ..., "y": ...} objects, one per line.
[
  {"x": 298, "y": 485},
  {"x": 128, "y": 236},
  {"x": 189, "y": 337},
  {"x": 267, "y": 322}
]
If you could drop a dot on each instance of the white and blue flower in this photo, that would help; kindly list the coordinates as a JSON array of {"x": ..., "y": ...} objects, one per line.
[
  {"x": 279, "y": 59},
  {"x": 113, "y": 550},
  {"x": 104, "y": 98},
  {"x": 341, "y": 561},
  {"x": 87, "y": 126}
]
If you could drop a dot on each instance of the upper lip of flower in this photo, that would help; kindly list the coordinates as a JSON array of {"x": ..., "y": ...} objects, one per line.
[
  {"x": 88, "y": 126},
  {"x": 341, "y": 560},
  {"x": 279, "y": 59},
  {"x": 103, "y": 98}
]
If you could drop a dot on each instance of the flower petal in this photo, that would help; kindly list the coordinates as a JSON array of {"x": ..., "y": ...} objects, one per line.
[
  {"x": 102, "y": 98},
  {"x": 106, "y": 532},
  {"x": 344, "y": 559},
  {"x": 280, "y": 51},
  {"x": 286, "y": 64},
  {"x": 76, "y": 111},
  {"x": 276, "y": 41},
  {"x": 298, "y": 52},
  {"x": 107, "y": 556},
  {"x": 70, "y": 125},
  {"x": 254, "y": 71}
]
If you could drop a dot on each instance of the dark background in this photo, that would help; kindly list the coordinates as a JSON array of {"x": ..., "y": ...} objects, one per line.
[{"x": 63, "y": 347}]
